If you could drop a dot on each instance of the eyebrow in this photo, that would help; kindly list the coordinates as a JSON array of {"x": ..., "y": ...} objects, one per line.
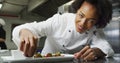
[{"x": 84, "y": 15}]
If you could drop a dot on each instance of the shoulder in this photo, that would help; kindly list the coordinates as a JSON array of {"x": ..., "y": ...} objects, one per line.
[
  {"x": 64, "y": 15},
  {"x": 61, "y": 21},
  {"x": 99, "y": 33},
  {"x": 68, "y": 15}
]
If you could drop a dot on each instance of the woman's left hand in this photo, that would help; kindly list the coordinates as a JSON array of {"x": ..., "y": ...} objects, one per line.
[{"x": 88, "y": 53}]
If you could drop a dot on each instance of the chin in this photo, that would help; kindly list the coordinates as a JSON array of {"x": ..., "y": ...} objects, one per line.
[{"x": 80, "y": 31}]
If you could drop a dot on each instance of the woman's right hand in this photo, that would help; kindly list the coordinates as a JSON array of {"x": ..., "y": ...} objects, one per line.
[{"x": 28, "y": 42}]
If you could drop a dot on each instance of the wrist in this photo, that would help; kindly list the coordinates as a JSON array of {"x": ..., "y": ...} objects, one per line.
[{"x": 99, "y": 53}]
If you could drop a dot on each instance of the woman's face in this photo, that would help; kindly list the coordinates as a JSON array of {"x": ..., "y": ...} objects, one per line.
[{"x": 86, "y": 17}]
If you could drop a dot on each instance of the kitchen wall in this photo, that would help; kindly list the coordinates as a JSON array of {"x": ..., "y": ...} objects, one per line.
[{"x": 112, "y": 32}]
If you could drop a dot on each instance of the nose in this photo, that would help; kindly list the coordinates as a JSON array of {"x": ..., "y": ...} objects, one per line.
[{"x": 83, "y": 21}]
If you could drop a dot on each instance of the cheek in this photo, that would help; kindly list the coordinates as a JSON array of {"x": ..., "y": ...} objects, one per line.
[
  {"x": 76, "y": 21},
  {"x": 89, "y": 26}
]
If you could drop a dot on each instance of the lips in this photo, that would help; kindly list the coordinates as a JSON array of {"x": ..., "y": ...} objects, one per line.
[{"x": 80, "y": 28}]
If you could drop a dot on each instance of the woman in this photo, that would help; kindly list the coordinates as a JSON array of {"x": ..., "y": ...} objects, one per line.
[{"x": 69, "y": 32}]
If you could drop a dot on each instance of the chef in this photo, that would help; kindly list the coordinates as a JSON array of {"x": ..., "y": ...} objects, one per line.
[{"x": 80, "y": 33}]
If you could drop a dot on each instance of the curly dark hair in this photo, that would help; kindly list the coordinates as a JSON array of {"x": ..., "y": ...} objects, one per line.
[{"x": 104, "y": 10}]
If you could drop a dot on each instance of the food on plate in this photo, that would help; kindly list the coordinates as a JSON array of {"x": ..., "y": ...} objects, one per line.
[
  {"x": 48, "y": 55},
  {"x": 38, "y": 55},
  {"x": 57, "y": 54}
]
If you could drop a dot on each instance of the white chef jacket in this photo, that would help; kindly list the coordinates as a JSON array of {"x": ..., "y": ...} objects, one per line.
[{"x": 62, "y": 35}]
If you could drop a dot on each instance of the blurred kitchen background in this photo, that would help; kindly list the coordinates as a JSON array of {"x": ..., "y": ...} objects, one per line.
[{"x": 16, "y": 12}]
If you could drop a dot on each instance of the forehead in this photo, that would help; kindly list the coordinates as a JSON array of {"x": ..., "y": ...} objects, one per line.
[
  {"x": 88, "y": 9},
  {"x": 87, "y": 6}
]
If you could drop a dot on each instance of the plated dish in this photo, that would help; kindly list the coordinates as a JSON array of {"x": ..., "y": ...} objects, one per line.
[{"x": 63, "y": 57}]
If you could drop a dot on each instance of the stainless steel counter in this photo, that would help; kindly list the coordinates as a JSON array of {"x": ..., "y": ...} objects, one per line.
[{"x": 114, "y": 59}]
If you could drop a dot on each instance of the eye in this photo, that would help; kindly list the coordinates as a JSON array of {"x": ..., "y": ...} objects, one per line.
[
  {"x": 91, "y": 21},
  {"x": 81, "y": 16}
]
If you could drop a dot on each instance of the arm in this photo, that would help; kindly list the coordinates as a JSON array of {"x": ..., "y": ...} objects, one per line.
[
  {"x": 25, "y": 36},
  {"x": 100, "y": 42},
  {"x": 88, "y": 53},
  {"x": 99, "y": 48},
  {"x": 2, "y": 40},
  {"x": 2, "y": 34}
]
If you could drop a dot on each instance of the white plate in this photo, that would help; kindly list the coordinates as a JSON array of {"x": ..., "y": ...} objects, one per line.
[{"x": 63, "y": 57}]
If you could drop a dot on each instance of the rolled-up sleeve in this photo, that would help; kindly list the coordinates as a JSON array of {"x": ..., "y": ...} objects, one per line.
[
  {"x": 100, "y": 42},
  {"x": 40, "y": 29},
  {"x": 16, "y": 31}
]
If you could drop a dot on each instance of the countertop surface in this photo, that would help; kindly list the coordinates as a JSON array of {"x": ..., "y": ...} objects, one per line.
[{"x": 114, "y": 59}]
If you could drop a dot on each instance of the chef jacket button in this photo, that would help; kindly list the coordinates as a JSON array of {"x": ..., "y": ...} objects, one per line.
[
  {"x": 69, "y": 30},
  {"x": 63, "y": 45}
]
